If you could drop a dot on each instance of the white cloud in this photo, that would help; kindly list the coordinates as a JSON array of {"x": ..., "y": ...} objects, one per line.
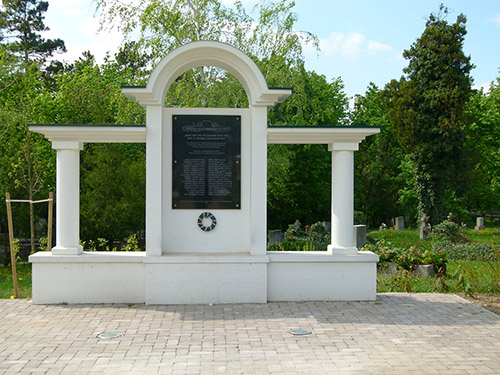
[
  {"x": 485, "y": 86},
  {"x": 98, "y": 43},
  {"x": 71, "y": 8},
  {"x": 351, "y": 46},
  {"x": 398, "y": 57},
  {"x": 377, "y": 46},
  {"x": 74, "y": 11},
  {"x": 66, "y": 3},
  {"x": 495, "y": 19}
]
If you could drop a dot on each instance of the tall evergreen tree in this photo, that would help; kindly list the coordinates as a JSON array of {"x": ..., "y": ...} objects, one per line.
[
  {"x": 21, "y": 23},
  {"x": 427, "y": 106}
]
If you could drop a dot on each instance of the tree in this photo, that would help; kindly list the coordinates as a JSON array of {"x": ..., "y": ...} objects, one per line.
[
  {"x": 21, "y": 21},
  {"x": 270, "y": 39},
  {"x": 112, "y": 175},
  {"x": 483, "y": 141},
  {"x": 166, "y": 25},
  {"x": 30, "y": 171},
  {"x": 23, "y": 51},
  {"x": 379, "y": 192},
  {"x": 299, "y": 176},
  {"x": 130, "y": 57},
  {"x": 26, "y": 167},
  {"x": 427, "y": 107}
]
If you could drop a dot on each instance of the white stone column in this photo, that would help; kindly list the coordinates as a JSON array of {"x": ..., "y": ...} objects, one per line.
[
  {"x": 154, "y": 178},
  {"x": 343, "y": 198},
  {"x": 67, "y": 198},
  {"x": 258, "y": 180}
]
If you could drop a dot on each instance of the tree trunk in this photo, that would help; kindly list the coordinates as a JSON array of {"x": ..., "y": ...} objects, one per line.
[
  {"x": 30, "y": 194},
  {"x": 32, "y": 225}
]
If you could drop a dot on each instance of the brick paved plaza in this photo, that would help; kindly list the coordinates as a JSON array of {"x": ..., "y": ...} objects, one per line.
[{"x": 397, "y": 334}]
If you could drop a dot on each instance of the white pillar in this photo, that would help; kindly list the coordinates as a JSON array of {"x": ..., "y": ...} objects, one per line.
[
  {"x": 258, "y": 180},
  {"x": 154, "y": 177},
  {"x": 343, "y": 198},
  {"x": 67, "y": 198}
]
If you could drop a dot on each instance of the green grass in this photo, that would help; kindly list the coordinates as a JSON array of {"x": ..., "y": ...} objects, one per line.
[
  {"x": 405, "y": 238},
  {"x": 488, "y": 235},
  {"x": 23, "y": 281},
  {"x": 461, "y": 276},
  {"x": 411, "y": 237}
]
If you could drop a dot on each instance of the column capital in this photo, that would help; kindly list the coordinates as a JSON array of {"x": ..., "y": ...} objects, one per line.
[
  {"x": 67, "y": 145},
  {"x": 343, "y": 146}
]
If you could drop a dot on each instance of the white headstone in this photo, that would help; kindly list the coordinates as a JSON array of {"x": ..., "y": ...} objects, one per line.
[
  {"x": 479, "y": 223},
  {"x": 400, "y": 223}
]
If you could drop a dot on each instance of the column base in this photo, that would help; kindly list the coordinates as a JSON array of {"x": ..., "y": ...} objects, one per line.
[
  {"x": 63, "y": 250},
  {"x": 339, "y": 250}
]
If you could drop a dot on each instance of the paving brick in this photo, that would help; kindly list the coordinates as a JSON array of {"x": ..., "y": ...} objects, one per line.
[{"x": 398, "y": 334}]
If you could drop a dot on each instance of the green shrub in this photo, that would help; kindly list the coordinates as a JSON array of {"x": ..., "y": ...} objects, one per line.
[
  {"x": 132, "y": 243},
  {"x": 317, "y": 239},
  {"x": 448, "y": 231},
  {"x": 359, "y": 218},
  {"x": 294, "y": 234},
  {"x": 468, "y": 251},
  {"x": 409, "y": 258}
]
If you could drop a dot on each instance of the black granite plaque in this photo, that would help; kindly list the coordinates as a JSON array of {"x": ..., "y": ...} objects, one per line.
[{"x": 206, "y": 161}]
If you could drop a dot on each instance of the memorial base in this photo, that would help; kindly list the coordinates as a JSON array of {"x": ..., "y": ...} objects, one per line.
[
  {"x": 207, "y": 278},
  {"x": 128, "y": 277},
  {"x": 92, "y": 277},
  {"x": 319, "y": 276}
]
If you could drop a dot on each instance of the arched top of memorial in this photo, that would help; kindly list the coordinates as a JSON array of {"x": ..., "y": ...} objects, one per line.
[{"x": 207, "y": 53}]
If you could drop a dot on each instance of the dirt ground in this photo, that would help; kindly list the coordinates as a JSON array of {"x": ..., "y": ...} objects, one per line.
[{"x": 490, "y": 302}]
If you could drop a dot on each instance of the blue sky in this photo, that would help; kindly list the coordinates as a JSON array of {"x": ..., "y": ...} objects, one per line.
[{"x": 361, "y": 40}]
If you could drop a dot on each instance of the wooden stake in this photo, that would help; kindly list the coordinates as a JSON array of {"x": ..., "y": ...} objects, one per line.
[
  {"x": 49, "y": 228},
  {"x": 11, "y": 241}
]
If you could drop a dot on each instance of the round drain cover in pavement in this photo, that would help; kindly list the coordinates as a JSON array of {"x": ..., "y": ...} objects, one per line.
[
  {"x": 108, "y": 335},
  {"x": 300, "y": 332}
]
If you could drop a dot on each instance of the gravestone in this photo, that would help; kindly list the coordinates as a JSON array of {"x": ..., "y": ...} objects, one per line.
[
  {"x": 275, "y": 236},
  {"x": 479, "y": 224},
  {"x": 424, "y": 227},
  {"x": 400, "y": 223},
  {"x": 425, "y": 270},
  {"x": 297, "y": 224},
  {"x": 360, "y": 235},
  {"x": 328, "y": 226}
]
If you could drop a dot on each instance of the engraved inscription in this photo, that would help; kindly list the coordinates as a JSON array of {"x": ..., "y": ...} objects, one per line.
[{"x": 206, "y": 172}]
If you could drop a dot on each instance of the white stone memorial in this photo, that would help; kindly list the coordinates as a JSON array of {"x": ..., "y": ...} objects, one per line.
[
  {"x": 400, "y": 223},
  {"x": 479, "y": 223},
  {"x": 205, "y": 211}
]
